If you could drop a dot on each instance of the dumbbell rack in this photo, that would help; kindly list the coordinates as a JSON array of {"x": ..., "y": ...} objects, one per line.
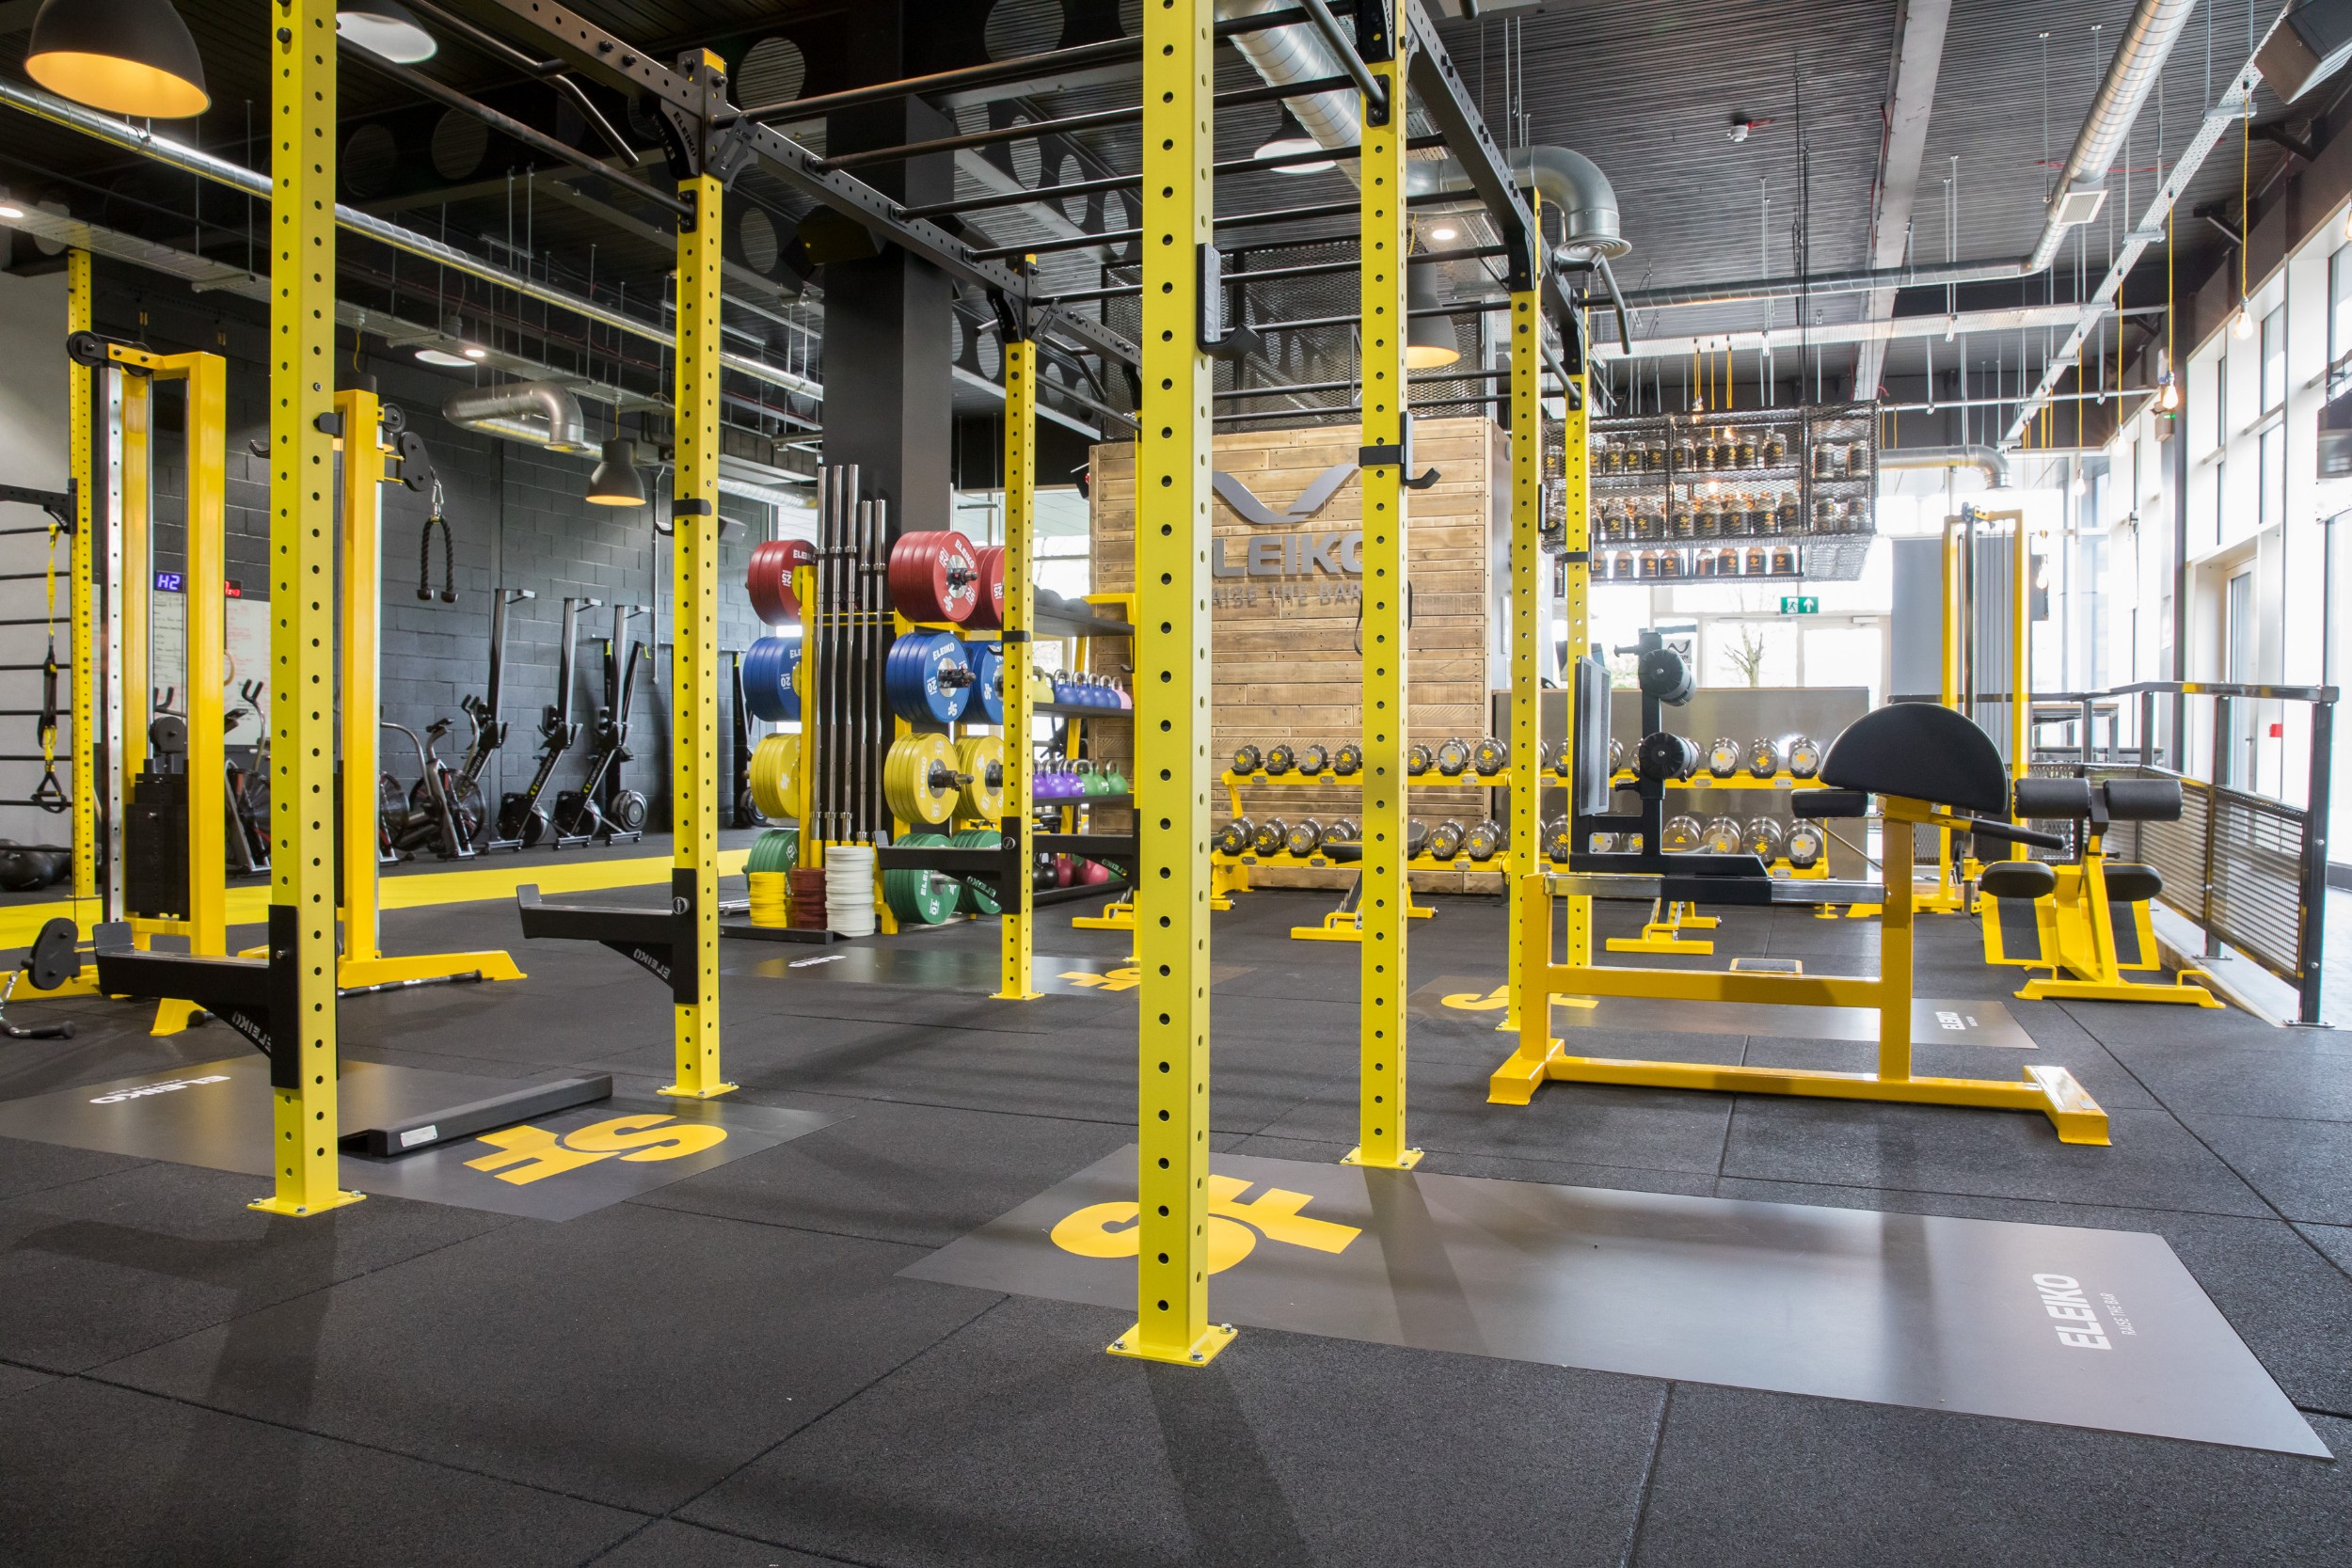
[{"x": 1237, "y": 867}]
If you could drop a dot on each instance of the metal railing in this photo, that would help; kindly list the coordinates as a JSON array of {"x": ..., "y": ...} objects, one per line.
[{"x": 2248, "y": 869}]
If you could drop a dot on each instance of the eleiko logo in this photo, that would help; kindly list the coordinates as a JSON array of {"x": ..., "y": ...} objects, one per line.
[
  {"x": 167, "y": 1087},
  {"x": 1310, "y": 500},
  {"x": 1110, "y": 1229},
  {"x": 2078, "y": 1326}
]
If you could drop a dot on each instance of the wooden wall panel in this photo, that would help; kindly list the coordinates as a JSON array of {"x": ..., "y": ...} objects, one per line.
[{"x": 1285, "y": 658}]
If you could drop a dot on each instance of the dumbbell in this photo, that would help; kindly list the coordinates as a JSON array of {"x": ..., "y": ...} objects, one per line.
[
  {"x": 1804, "y": 756},
  {"x": 1235, "y": 836},
  {"x": 1763, "y": 837},
  {"x": 1417, "y": 760},
  {"x": 1763, "y": 758},
  {"x": 1721, "y": 836},
  {"x": 1483, "y": 840},
  {"x": 1313, "y": 760},
  {"x": 1804, "y": 846},
  {"x": 1304, "y": 838},
  {"x": 1559, "y": 840},
  {"x": 1268, "y": 839},
  {"x": 1279, "y": 759},
  {"x": 1452, "y": 756},
  {"x": 1348, "y": 760},
  {"x": 1416, "y": 837},
  {"x": 1246, "y": 760},
  {"x": 1343, "y": 831},
  {"x": 1445, "y": 840},
  {"x": 1723, "y": 758},
  {"x": 1665, "y": 756},
  {"x": 1680, "y": 835},
  {"x": 1488, "y": 757}
]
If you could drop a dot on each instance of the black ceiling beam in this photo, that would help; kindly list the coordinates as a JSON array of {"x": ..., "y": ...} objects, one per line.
[{"x": 610, "y": 60}]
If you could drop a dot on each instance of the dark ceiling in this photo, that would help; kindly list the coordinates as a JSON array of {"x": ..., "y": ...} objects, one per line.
[{"x": 1647, "y": 88}]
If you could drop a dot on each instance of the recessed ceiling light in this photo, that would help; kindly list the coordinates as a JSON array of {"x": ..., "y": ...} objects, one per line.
[
  {"x": 1444, "y": 232},
  {"x": 472, "y": 352},
  {"x": 443, "y": 357}
]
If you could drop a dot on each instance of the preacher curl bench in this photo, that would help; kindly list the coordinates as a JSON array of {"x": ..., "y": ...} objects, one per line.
[
  {"x": 1924, "y": 765},
  {"x": 2085, "y": 920}
]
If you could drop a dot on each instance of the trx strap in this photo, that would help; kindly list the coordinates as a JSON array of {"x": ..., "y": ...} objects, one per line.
[
  {"x": 424, "y": 554},
  {"x": 48, "y": 795}
]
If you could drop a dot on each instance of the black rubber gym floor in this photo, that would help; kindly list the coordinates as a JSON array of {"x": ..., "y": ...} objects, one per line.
[{"x": 730, "y": 1370}]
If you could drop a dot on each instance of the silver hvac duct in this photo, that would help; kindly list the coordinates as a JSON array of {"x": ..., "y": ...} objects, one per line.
[
  {"x": 1988, "y": 459},
  {"x": 539, "y": 412},
  {"x": 1297, "y": 53},
  {"x": 1569, "y": 183},
  {"x": 1566, "y": 181},
  {"x": 2155, "y": 26},
  {"x": 191, "y": 160}
]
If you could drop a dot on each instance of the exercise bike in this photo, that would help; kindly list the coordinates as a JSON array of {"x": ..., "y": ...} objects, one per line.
[
  {"x": 429, "y": 815},
  {"x": 523, "y": 821},
  {"x": 489, "y": 728},
  {"x": 601, "y": 808},
  {"x": 248, "y": 789}
]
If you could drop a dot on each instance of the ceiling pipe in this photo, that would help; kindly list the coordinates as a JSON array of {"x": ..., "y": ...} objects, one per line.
[
  {"x": 2148, "y": 39},
  {"x": 1986, "y": 459},
  {"x": 536, "y": 412},
  {"x": 195, "y": 161},
  {"x": 2154, "y": 28}
]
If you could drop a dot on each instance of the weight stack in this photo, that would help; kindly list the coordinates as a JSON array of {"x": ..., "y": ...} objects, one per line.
[{"x": 155, "y": 846}]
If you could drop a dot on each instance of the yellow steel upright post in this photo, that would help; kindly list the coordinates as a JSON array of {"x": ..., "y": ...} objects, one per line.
[
  {"x": 1381, "y": 250},
  {"x": 1171, "y": 775},
  {"x": 1576, "y": 466},
  {"x": 206, "y": 601},
  {"x": 2021, "y": 662},
  {"x": 303, "y": 1067},
  {"x": 134, "y": 603},
  {"x": 362, "y": 536},
  {"x": 694, "y": 649},
  {"x": 1523, "y": 849},
  {"x": 1893, "y": 991},
  {"x": 1014, "y": 928},
  {"x": 80, "y": 384}
]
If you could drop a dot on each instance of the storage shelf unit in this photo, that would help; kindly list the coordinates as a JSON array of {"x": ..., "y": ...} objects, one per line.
[{"x": 1691, "y": 511}]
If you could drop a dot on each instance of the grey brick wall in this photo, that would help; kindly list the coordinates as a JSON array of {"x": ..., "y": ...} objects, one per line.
[{"x": 517, "y": 517}]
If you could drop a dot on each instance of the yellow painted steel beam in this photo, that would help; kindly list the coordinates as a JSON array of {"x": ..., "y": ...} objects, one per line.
[
  {"x": 1522, "y": 832},
  {"x": 80, "y": 437},
  {"x": 1172, "y": 695},
  {"x": 2050, "y": 1090},
  {"x": 1382, "y": 243},
  {"x": 303, "y": 1126},
  {"x": 1016, "y": 926},
  {"x": 695, "y": 648},
  {"x": 134, "y": 606},
  {"x": 363, "y": 963},
  {"x": 1576, "y": 468},
  {"x": 361, "y": 413}
]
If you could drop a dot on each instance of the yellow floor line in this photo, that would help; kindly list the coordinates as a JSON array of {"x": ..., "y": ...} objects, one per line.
[{"x": 249, "y": 906}]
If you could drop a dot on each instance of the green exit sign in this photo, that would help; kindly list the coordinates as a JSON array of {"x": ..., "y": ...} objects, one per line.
[{"x": 1792, "y": 604}]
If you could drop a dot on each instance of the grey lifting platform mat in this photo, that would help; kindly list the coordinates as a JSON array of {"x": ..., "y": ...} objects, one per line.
[
  {"x": 531, "y": 1149},
  {"x": 2103, "y": 1329}
]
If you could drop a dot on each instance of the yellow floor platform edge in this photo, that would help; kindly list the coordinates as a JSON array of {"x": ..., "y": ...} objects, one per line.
[{"x": 249, "y": 906}]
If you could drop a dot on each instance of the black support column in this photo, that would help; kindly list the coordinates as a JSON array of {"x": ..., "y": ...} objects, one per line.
[{"x": 889, "y": 391}]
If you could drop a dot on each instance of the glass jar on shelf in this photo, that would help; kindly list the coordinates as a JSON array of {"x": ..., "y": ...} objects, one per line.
[
  {"x": 1829, "y": 460},
  {"x": 1686, "y": 455},
  {"x": 1726, "y": 449},
  {"x": 1706, "y": 523},
  {"x": 1670, "y": 564},
  {"x": 1759, "y": 514},
  {"x": 1783, "y": 564},
  {"x": 1647, "y": 566},
  {"x": 1775, "y": 450},
  {"x": 1706, "y": 564},
  {"x": 1728, "y": 562},
  {"x": 1824, "y": 515},
  {"x": 1754, "y": 562},
  {"x": 1784, "y": 515},
  {"x": 1744, "y": 452},
  {"x": 1681, "y": 522},
  {"x": 1654, "y": 454}
]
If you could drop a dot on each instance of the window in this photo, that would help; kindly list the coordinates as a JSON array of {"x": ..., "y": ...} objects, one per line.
[
  {"x": 2274, "y": 358},
  {"x": 2340, "y": 305},
  {"x": 2273, "y": 505},
  {"x": 2221, "y": 401}
]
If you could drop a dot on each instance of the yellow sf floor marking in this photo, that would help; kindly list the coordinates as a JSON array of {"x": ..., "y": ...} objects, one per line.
[{"x": 1500, "y": 998}]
